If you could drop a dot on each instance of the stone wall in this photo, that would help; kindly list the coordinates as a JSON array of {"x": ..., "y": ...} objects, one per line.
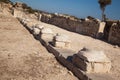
[
  {"x": 46, "y": 17},
  {"x": 114, "y": 34},
  {"x": 88, "y": 27},
  {"x": 107, "y": 29}
]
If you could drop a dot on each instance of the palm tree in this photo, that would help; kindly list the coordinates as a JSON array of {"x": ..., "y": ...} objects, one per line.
[{"x": 103, "y": 4}]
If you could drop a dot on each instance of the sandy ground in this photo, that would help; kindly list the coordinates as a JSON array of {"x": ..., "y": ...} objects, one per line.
[
  {"x": 24, "y": 58},
  {"x": 79, "y": 41}
]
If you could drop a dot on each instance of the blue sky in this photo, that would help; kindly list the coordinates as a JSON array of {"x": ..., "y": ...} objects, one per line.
[{"x": 78, "y": 8}]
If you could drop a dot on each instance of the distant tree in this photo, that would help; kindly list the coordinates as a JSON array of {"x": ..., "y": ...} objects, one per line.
[{"x": 103, "y": 4}]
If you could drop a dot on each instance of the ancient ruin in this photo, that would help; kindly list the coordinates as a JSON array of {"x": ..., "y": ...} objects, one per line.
[
  {"x": 61, "y": 41},
  {"x": 114, "y": 36},
  {"x": 36, "y": 56},
  {"x": 89, "y": 27},
  {"x": 46, "y": 34},
  {"x": 112, "y": 31},
  {"x": 92, "y": 61}
]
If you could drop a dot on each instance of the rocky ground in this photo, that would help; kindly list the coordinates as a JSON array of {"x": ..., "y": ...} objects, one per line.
[
  {"x": 24, "y": 58},
  {"x": 79, "y": 41}
]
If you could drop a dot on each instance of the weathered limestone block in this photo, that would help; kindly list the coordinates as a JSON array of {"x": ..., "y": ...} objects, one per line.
[
  {"x": 60, "y": 44},
  {"x": 62, "y": 38},
  {"x": 61, "y": 41},
  {"x": 102, "y": 26},
  {"x": 17, "y": 13},
  {"x": 47, "y": 33},
  {"x": 47, "y": 37},
  {"x": 25, "y": 21},
  {"x": 39, "y": 26},
  {"x": 92, "y": 61},
  {"x": 29, "y": 24},
  {"x": 36, "y": 31},
  {"x": 101, "y": 29}
]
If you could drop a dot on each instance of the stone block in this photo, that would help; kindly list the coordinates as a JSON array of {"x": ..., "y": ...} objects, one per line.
[
  {"x": 61, "y": 41},
  {"x": 62, "y": 38},
  {"x": 47, "y": 37},
  {"x": 60, "y": 44},
  {"x": 67, "y": 44},
  {"x": 46, "y": 31},
  {"x": 100, "y": 33},
  {"x": 101, "y": 27},
  {"x": 92, "y": 61},
  {"x": 82, "y": 64},
  {"x": 102, "y": 67},
  {"x": 39, "y": 26},
  {"x": 36, "y": 31}
]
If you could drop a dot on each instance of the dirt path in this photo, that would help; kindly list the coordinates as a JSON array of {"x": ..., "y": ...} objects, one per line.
[{"x": 24, "y": 58}]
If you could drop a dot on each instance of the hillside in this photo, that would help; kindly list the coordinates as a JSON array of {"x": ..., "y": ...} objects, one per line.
[{"x": 22, "y": 57}]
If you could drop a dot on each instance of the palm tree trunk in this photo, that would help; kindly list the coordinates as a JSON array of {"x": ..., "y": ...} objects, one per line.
[{"x": 103, "y": 14}]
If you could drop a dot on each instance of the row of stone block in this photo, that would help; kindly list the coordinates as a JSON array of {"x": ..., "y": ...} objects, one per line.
[
  {"x": 85, "y": 61},
  {"x": 58, "y": 40},
  {"x": 90, "y": 61}
]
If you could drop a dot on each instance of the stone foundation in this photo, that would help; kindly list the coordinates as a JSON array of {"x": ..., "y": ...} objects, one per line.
[
  {"x": 61, "y": 41},
  {"x": 92, "y": 61},
  {"x": 46, "y": 34}
]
